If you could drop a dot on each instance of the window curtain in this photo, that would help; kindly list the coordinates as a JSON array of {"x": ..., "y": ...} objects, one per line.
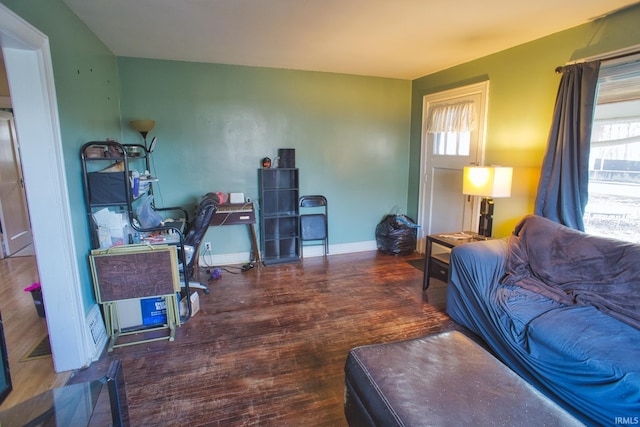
[
  {"x": 458, "y": 117},
  {"x": 564, "y": 180}
]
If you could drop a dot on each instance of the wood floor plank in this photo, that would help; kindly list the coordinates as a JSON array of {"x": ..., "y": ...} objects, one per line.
[
  {"x": 24, "y": 329},
  {"x": 268, "y": 346}
]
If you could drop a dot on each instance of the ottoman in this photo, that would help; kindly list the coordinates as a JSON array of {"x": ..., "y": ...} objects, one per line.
[{"x": 439, "y": 380}]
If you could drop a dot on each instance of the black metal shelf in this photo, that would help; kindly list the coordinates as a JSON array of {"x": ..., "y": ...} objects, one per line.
[
  {"x": 107, "y": 180},
  {"x": 279, "y": 215}
]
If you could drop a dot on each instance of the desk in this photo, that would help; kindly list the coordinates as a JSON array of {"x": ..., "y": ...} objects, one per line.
[{"x": 235, "y": 214}]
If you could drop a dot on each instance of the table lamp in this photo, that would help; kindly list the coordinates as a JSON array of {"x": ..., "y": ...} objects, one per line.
[{"x": 488, "y": 182}]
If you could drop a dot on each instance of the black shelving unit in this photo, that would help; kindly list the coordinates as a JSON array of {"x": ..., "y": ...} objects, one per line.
[
  {"x": 113, "y": 189},
  {"x": 105, "y": 189},
  {"x": 107, "y": 170},
  {"x": 279, "y": 215}
]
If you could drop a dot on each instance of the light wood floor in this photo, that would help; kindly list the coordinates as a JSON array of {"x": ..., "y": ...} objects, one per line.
[
  {"x": 23, "y": 330},
  {"x": 267, "y": 347}
]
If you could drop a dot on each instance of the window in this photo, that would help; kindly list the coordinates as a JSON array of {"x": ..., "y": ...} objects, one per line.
[
  {"x": 451, "y": 125},
  {"x": 613, "y": 208},
  {"x": 451, "y": 143}
]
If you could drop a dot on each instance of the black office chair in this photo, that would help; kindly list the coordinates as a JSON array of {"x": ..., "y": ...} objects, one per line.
[
  {"x": 314, "y": 226},
  {"x": 193, "y": 236}
]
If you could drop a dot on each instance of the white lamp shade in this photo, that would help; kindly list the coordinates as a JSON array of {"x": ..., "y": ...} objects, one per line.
[{"x": 487, "y": 181}]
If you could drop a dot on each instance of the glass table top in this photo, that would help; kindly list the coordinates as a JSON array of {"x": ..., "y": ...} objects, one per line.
[{"x": 71, "y": 405}]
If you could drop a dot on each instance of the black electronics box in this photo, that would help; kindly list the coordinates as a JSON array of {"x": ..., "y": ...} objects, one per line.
[
  {"x": 107, "y": 188},
  {"x": 287, "y": 158}
]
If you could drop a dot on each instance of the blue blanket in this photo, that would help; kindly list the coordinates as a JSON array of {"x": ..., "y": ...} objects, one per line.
[
  {"x": 575, "y": 268},
  {"x": 578, "y": 355}
]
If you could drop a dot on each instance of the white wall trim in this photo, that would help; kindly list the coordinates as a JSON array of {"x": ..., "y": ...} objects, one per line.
[
  {"x": 30, "y": 75},
  {"x": 425, "y": 191}
]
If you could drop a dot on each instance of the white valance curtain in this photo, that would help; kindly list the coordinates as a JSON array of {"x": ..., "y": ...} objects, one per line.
[{"x": 456, "y": 117}]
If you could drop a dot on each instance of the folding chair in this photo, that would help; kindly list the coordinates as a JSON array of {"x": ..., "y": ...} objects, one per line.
[{"x": 314, "y": 226}]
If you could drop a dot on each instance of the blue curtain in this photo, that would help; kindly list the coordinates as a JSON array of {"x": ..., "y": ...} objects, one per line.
[{"x": 564, "y": 180}]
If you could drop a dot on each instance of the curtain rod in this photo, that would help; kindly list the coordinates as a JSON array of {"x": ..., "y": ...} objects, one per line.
[{"x": 609, "y": 56}]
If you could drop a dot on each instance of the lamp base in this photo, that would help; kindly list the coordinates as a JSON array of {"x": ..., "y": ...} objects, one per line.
[
  {"x": 486, "y": 217},
  {"x": 144, "y": 137}
]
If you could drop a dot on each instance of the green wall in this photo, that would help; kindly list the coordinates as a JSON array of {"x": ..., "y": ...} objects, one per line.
[
  {"x": 87, "y": 93},
  {"x": 351, "y": 133},
  {"x": 522, "y": 92},
  {"x": 214, "y": 124}
]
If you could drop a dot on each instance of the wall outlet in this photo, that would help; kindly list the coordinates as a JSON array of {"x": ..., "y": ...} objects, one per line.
[{"x": 207, "y": 246}]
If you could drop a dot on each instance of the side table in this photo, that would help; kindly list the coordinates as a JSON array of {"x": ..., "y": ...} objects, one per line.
[{"x": 436, "y": 264}]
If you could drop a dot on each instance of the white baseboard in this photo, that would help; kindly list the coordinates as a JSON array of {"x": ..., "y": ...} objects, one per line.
[
  {"x": 308, "y": 251},
  {"x": 224, "y": 259},
  {"x": 342, "y": 248}
]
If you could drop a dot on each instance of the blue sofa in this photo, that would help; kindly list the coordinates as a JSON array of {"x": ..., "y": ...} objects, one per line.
[{"x": 562, "y": 309}]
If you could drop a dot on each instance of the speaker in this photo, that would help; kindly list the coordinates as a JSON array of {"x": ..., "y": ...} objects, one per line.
[{"x": 286, "y": 158}]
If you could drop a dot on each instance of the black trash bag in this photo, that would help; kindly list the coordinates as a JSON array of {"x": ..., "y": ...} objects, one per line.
[{"x": 396, "y": 235}]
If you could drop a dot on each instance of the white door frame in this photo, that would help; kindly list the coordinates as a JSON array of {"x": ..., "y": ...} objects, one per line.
[
  {"x": 30, "y": 75},
  {"x": 481, "y": 88}
]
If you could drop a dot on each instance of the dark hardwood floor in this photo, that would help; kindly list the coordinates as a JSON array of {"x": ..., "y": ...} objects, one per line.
[{"x": 268, "y": 346}]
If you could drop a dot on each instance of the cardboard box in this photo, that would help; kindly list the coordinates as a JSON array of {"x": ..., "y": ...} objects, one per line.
[
  {"x": 129, "y": 313},
  {"x": 154, "y": 311},
  {"x": 195, "y": 305}
]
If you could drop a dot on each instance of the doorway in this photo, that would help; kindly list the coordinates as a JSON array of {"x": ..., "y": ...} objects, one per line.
[
  {"x": 14, "y": 213},
  {"x": 30, "y": 75},
  {"x": 442, "y": 206}
]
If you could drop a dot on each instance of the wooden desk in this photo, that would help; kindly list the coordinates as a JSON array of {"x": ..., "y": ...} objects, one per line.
[{"x": 235, "y": 214}]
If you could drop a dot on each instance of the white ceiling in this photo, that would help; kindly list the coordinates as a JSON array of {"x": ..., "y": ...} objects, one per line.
[{"x": 402, "y": 39}]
